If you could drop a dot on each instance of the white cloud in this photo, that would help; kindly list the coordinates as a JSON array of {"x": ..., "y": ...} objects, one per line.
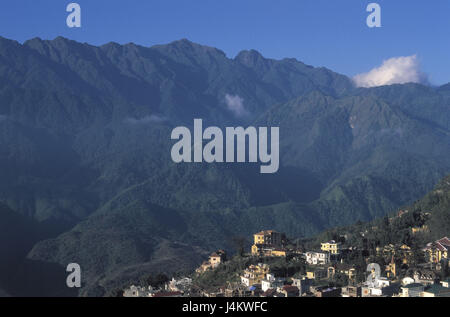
[
  {"x": 396, "y": 70},
  {"x": 236, "y": 105},
  {"x": 146, "y": 119}
]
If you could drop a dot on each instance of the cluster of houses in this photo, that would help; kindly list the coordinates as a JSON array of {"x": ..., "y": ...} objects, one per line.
[
  {"x": 322, "y": 266},
  {"x": 326, "y": 263},
  {"x": 174, "y": 288}
]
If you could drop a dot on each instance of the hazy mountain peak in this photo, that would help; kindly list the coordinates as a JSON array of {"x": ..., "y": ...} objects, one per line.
[
  {"x": 4, "y": 42},
  {"x": 183, "y": 41},
  {"x": 253, "y": 59},
  {"x": 59, "y": 43},
  {"x": 186, "y": 46},
  {"x": 62, "y": 39},
  {"x": 445, "y": 87},
  {"x": 249, "y": 54}
]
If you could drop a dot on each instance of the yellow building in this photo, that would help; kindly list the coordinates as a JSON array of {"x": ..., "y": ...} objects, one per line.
[
  {"x": 344, "y": 269},
  {"x": 264, "y": 250},
  {"x": 438, "y": 250},
  {"x": 254, "y": 274},
  {"x": 402, "y": 252},
  {"x": 415, "y": 230},
  {"x": 391, "y": 269},
  {"x": 317, "y": 274},
  {"x": 215, "y": 259},
  {"x": 269, "y": 237},
  {"x": 351, "y": 273},
  {"x": 331, "y": 246},
  {"x": 256, "y": 249},
  {"x": 268, "y": 243},
  {"x": 279, "y": 252}
]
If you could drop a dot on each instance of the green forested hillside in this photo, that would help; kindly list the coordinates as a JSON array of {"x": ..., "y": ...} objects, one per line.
[{"x": 431, "y": 213}]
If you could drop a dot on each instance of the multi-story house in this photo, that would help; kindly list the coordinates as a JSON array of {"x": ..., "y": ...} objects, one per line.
[
  {"x": 303, "y": 284},
  {"x": 351, "y": 291},
  {"x": 345, "y": 269},
  {"x": 317, "y": 258},
  {"x": 181, "y": 285},
  {"x": 331, "y": 246},
  {"x": 215, "y": 259},
  {"x": 269, "y": 237},
  {"x": 317, "y": 274},
  {"x": 289, "y": 291},
  {"x": 139, "y": 291},
  {"x": 271, "y": 282},
  {"x": 269, "y": 243},
  {"x": 438, "y": 250},
  {"x": 382, "y": 287},
  {"x": 254, "y": 274},
  {"x": 446, "y": 283}
]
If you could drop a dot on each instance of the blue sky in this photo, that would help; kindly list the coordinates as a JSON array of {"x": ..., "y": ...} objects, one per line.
[{"x": 330, "y": 33}]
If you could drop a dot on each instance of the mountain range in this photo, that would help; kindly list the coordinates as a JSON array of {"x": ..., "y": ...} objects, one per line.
[{"x": 87, "y": 177}]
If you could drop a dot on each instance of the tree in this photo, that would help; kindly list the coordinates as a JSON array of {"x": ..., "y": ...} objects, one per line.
[{"x": 239, "y": 243}]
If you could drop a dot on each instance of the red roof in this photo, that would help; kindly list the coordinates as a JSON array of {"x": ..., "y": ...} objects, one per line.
[
  {"x": 269, "y": 293},
  {"x": 290, "y": 288},
  {"x": 444, "y": 241},
  {"x": 441, "y": 245}
]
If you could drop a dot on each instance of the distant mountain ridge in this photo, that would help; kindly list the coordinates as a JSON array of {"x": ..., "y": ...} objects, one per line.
[{"x": 85, "y": 152}]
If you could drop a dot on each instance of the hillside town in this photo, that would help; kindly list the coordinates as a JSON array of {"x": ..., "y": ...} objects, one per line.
[{"x": 277, "y": 267}]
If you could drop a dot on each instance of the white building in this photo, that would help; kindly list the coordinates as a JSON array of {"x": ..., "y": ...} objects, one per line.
[
  {"x": 271, "y": 282},
  {"x": 181, "y": 285},
  {"x": 407, "y": 281},
  {"x": 245, "y": 280},
  {"x": 317, "y": 258},
  {"x": 446, "y": 283},
  {"x": 303, "y": 284},
  {"x": 381, "y": 287},
  {"x": 138, "y": 291}
]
